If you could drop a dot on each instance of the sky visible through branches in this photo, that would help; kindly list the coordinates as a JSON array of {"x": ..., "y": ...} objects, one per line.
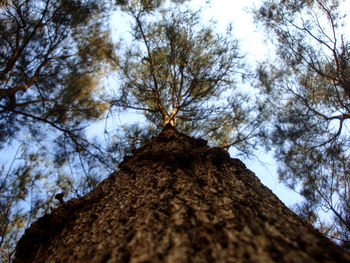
[
  {"x": 251, "y": 43},
  {"x": 233, "y": 14}
]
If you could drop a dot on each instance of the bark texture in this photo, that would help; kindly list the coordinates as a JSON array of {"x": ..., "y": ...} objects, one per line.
[{"x": 176, "y": 200}]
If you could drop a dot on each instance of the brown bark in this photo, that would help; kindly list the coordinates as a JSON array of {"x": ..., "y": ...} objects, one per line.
[{"x": 176, "y": 200}]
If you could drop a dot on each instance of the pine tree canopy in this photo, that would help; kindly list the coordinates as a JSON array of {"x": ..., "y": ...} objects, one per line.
[
  {"x": 69, "y": 84},
  {"x": 181, "y": 71},
  {"x": 306, "y": 93}
]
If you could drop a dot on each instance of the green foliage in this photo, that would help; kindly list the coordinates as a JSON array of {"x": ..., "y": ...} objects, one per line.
[
  {"x": 21, "y": 191},
  {"x": 53, "y": 55},
  {"x": 179, "y": 71},
  {"x": 305, "y": 94},
  {"x": 145, "y": 5},
  {"x": 53, "y": 58}
]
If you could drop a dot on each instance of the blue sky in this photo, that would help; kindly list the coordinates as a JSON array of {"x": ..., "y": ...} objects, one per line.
[
  {"x": 253, "y": 46},
  {"x": 251, "y": 43}
]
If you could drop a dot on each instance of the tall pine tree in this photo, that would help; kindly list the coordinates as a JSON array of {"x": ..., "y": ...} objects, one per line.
[{"x": 176, "y": 200}]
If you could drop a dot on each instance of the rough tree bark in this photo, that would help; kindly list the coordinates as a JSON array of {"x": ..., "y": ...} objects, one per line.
[{"x": 176, "y": 200}]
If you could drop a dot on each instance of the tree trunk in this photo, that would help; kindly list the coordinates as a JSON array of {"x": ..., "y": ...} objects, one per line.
[{"x": 176, "y": 200}]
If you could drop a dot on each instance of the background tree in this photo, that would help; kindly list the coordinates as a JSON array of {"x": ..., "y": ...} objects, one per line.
[
  {"x": 307, "y": 101},
  {"x": 177, "y": 70},
  {"x": 52, "y": 57}
]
